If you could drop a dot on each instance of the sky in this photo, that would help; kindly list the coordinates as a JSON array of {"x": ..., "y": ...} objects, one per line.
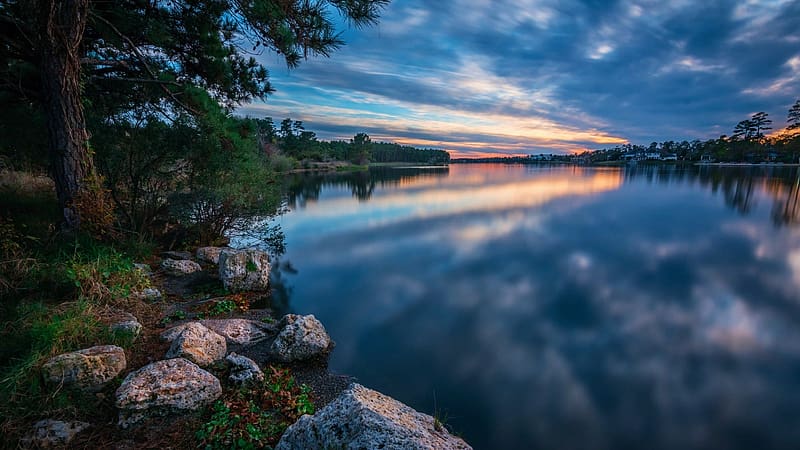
[{"x": 480, "y": 77}]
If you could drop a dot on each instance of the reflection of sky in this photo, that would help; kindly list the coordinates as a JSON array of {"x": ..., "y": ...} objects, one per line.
[
  {"x": 562, "y": 309},
  {"x": 481, "y": 193}
]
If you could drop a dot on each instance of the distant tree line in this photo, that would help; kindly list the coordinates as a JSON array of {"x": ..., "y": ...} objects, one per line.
[
  {"x": 292, "y": 143},
  {"x": 748, "y": 142}
]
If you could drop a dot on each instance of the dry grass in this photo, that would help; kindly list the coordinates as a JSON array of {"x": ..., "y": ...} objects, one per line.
[{"x": 23, "y": 182}]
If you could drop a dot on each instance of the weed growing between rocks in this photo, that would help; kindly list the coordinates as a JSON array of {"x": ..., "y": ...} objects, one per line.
[{"x": 256, "y": 416}]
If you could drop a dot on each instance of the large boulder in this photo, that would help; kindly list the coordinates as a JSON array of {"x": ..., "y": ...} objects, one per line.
[
  {"x": 300, "y": 338},
  {"x": 210, "y": 254},
  {"x": 179, "y": 267},
  {"x": 198, "y": 344},
  {"x": 244, "y": 270},
  {"x": 88, "y": 369},
  {"x": 243, "y": 370},
  {"x": 240, "y": 331},
  {"x": 51, "y": 433},
  {"x": 165, "y": 387},
  {"x": 363, "y": 418}
]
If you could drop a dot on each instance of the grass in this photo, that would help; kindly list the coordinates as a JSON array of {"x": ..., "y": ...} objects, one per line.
[
  {"x": 40, "y": 332},
  {"x": 353, "y": 168},
  {"x": 257, "y": 416},
  {"x": 57, "y": 294}
]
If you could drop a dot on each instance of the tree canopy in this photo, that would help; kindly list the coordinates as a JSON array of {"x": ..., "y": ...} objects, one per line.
[{"x": 110, "y": 59}]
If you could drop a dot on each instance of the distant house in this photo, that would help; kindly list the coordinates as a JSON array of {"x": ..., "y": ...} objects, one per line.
[
  {"x": 630, "y": 156},
  {"x": 652, "y": 155},
  {"x": 669, "y": 157},
  {"x": 706, "y": 158}
]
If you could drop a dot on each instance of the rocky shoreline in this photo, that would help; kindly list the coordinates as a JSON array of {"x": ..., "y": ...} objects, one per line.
[{"x": 198, "y": 359}]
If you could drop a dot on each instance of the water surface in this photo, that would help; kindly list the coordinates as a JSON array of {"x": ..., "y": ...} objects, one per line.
[{"x": 561, "y": 307}]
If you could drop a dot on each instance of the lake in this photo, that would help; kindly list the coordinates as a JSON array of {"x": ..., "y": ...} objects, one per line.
[{"x": 561, "y": 307}]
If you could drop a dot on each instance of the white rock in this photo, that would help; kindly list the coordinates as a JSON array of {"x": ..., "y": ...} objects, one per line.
[
  {"x": 164, "y": 387},
  {"x": 151, "y": 294},
  {"x": 240, "y": 331},
  {"x": 363, "y": 418},
  {"x": 198, "y": 344},
  {"x": 209, "y": 254},
  {"x": 243, "y": 370},
  {"x": 88, "y": 369},
  {"x": 244, "y": 270},
  {"x": 179, "y": 267},
  {"x": 130, "y": 328},
  {"x": 50, "y": 433},
  {"x": 300, "y": 338}
]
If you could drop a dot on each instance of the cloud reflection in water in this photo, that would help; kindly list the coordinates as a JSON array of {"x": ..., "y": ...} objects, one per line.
[{"x": 562, "y": 308}]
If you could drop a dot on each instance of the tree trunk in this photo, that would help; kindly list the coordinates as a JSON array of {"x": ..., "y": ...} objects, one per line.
[{"x": 62, "y": 25}]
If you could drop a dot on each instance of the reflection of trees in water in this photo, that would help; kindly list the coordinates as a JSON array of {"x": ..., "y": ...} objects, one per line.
[
  {"x": 280, "y": 287},
  {"x": 786, "y": 209},
  {"x": 739, "y": 185},
  {"x": 302, "y": 188}
]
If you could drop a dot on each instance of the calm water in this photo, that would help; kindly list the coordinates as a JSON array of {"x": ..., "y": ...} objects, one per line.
[{"x": 562, "y": 307}]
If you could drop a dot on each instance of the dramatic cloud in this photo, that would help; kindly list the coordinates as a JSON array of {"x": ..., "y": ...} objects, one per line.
[{"x": 530, "y": 76}]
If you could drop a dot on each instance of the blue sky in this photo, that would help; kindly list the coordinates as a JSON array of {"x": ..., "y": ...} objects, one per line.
[{"x": 541, "y": 76}]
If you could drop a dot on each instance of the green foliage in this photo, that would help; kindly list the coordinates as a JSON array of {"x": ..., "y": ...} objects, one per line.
[
  {"x": 257, "y": 416},
  {"x": 352, "y": 168},
  {"x": 222, "y": 307},
  {"x": 38, "y": 333},
  {"x": 793, "y": 117},
  {"x": 175, "y": 316},
  {"x": 101, "y": 272},
  {"x": 231, "y": 185},
  {"x": 387, "y": 152}
]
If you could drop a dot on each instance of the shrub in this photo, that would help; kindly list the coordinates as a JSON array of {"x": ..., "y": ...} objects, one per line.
[{"x": 256, "y": 417}]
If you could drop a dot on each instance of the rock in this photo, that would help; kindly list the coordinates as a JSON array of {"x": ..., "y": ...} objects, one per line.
[
  {"x": 244, "y": 370},
  {"x": 198, "y": 344},
  {"x": 182, "y": 256},
  {"x": 128, "y": 326},
  {"x": 209, "y": 254},
  {"x": 88, "y": 369},
  {"x": 53, "y": 433},
  {"x": 150, "y": 294},
  {"x": 244, "y": 270},
  {"x": 300, "y": 338},
  {"x": 178, "y": 268},
  {"x": 172, "y": 333},
  {"x": 363, "y": 418},
  {"x": 164, "y": 387},
  {"x": 143, "y": 267},
  {"x": 240, "y": 331}
]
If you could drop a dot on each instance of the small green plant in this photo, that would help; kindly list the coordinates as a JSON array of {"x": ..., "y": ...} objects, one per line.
[
  {"x": 177, "y": 315},
  {"x": 439, "y": 418},
  {"x": 256, "y": 417},
  {"x": 222, "y": 307},
  {"x": 304, "y": 403},
  {"x": 251, "y": 266}
]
